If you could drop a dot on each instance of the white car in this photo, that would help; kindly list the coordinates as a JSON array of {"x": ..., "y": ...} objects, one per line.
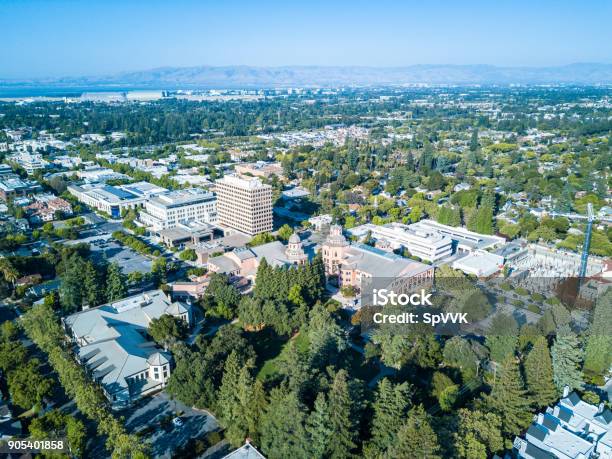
[{"x": 178, "y": 422}]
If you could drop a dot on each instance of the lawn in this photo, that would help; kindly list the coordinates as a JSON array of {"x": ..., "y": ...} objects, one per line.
[{"x": 271, "y": 349}]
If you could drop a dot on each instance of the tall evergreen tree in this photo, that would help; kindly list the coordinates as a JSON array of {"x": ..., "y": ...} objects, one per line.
[
  {"x": 71, "y": 288},
  {"x": 598, "y": 351},
  {"x": 92, "y": 285},
  {"x": 539, "y": 374},
  {"x": 239, "y": 401},
  {"x": 502, "y": 337},
  {"x": 426, "y": 159},
  {"x": 390, "y": 407},
  {"x": 567, "y": 360},
  {"x": 477, "y": 434},
  {"x": 318, "y": 428},
  {"x": 474, "y": 140},
  {"x": 445, "y": 215},
  {"x": 481, "y": 220},
  {"x": 342, "y": 419},
  {"x": 508, "y": 399},
  {"x": 283, "y": 433},
  {"x": 115, "y": 283},
  {"x": 416, "y": 438},
  {"x": 327, "y": 338}
]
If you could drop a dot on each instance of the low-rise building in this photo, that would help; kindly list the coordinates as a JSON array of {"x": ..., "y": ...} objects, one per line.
[
  {"x": 191, "y": 290},
  {"x": 96, "y": 174},
  {"x": 167, "y": 210},
  {"x": 31, "y": 162},
  {"x": 259, "y": 169},
  {"x": 321, "y": 222},
  {"x": 113, "y": 345},
  {"x": 480, "y": 263},
  {"x": 114, "y": 199},
  {"x": 353, "y": 263},
  {"x": 192, "y": 232},
  {"x": 463, "y": 239},
  {"x": 426, "y": 244},
  {"x": 572, "y": 429},
  {"x": 244, "y": 261},
  {"x": 11, "y": 186},
  {"x": 46, "y": 207}
]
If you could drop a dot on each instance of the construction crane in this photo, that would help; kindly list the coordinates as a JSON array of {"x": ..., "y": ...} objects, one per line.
[{"x": 584, "y": 259}]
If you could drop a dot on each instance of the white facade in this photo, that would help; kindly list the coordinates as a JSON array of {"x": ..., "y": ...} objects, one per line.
[
  {"x": 427, "y": 245},
  {"x": 30, "y": 162},
  {"x": 244, "y": 204},
  {"x": 480, "y": 263},
  {"x": 168, "y": 209},
  {"x": 113, "y": 200},
  {"x": 463, "y": 239}
]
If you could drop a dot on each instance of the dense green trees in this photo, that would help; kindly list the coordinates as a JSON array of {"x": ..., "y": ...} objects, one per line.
[
  {"x": 221, "y": 298},
  {"x": 449, "y": 215},
  {"x": 391, "y": 404},
  {"x": 327, "y": 339},
  {"x": 567, "y": 356},
  {"x": 188, "y": 255},
  {"x": 115, "y": 283},
  {"x": 84, "y": 283},
  {"x": 477, "y": 434},
  {"x": 285, "y": 232},
  {"x": 598, "y": 349},
  {"x": 241, "y": 401},
  {"x": 502, "y": 337},
  {"x": 42, "y": 327},
  {"x": 55, "y": 424},
  {"x": 167, "y": 330},
  {"x": 416, "y": 438},
  {"x": 481, "y": 221},
  {"x": 282, "y": 296},
  {"x": 27, "y": 385},
  {"x": 199, "y": 372},
  {"x": 539, "y": 374},
  {"x": 465, "y": 355},
  {"x": 508, "y": 398},
  {"x": 283, "y": 431}
]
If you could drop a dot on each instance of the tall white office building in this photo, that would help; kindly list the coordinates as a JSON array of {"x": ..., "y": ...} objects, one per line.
[{"x": 244, "y": 204}]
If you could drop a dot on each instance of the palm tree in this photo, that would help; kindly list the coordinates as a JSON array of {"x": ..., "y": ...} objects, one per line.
[{"x": 8, "y": 271}]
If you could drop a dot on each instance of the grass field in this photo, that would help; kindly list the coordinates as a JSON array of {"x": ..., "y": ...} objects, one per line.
[{"x": 270, "y": 350}]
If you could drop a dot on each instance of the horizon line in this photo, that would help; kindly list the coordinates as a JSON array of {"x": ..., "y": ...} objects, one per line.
[{"x": 282, "y": 66}]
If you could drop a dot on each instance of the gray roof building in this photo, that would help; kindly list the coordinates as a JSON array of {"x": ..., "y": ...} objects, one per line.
[
  {"x": 113, "y": 345},
  {"x": 247, "y": 451},
  {"x": 573, "y": 429}
]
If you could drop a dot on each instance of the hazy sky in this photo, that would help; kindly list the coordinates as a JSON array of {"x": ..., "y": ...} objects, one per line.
[{"x": 90, "y": 37}]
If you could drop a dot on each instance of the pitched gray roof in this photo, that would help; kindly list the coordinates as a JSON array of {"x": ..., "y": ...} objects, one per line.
[
  {"x": 113, "y": 340},
  {"x": 246, "y": 451}
]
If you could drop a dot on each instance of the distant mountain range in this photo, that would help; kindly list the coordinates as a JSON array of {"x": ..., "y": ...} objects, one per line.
[{"x": 332, "y": 76}]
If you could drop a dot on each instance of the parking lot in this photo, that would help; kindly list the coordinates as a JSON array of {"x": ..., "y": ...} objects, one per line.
[
  {"x": 153, "y": 416},
  {"x": 103, "y": 245}
]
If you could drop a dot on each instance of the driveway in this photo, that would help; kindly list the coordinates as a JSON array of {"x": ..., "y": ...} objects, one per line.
[{"x": 152, "y": 416}]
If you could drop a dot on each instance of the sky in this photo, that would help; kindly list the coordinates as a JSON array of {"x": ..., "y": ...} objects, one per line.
[{"x": 54, "y": 38}]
